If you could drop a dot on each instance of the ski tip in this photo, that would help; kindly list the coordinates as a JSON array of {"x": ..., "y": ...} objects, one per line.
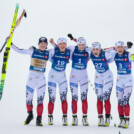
[{"x": 17, "y": 5}]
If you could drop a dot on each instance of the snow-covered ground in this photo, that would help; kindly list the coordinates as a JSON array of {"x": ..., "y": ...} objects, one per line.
[{"x": 105, "y": 21}]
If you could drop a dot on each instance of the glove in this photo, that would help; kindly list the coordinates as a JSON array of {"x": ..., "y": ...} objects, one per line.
[
  {"x": 129, "y": 44},
  {"x": 70, "y": 36}
]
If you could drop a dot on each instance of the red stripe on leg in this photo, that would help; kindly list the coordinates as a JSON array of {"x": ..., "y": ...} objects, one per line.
[
  {"x": 100, "y": 107},
  {"x": 120, "y": 110},
  {"x": 74, "y": 107},
  {"x": 126, "y": 110},
  {"x": 64, "y": 107},
  {"x": 108, "y": 107},
  {"x": 50, "y": 107},
  {"x": 84, "y": 106},
  {"x": 29, "y": 108},
  {"x": 40, "y": 109}
]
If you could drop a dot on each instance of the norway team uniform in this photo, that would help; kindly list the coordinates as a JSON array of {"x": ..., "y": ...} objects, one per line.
[
  {"x": 36, "y": 78},
  {"x": 57, "y": 75},
  {"x": 79, "y": 75},
  {"x": 124, "y": 83},
  {"x": 103, "y": 82}
]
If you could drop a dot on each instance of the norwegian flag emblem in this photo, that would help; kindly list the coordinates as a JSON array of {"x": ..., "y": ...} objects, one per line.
[
  {"x": 103, "y": 59},
  {"x": 67, "y": 57},
  {"x": 45, "y": 57},
  {"x": 125, "y": 59},
  {"x": 85, "y": 55}
]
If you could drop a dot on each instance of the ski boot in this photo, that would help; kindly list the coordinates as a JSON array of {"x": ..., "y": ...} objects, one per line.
[
  {"x": 38, "y": 121},
  {"x": 74, "y": 120},
  {"x": 85, "y": 120},
  {"x": 29, "y": 118},
  {"x": 100, "y": 120},
  {"x": 122, "y": 122},
  {"x": 126, "y": 124},
  {"x": 50, "y": 119},
  {"x": 107, "y": 121},
  {"x": 64, "y": 120}
]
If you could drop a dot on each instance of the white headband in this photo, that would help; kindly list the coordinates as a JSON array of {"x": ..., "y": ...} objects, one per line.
[
  {"x": 119, "y": 43},
  {"x": 96, "y": 45},
  {"x": 61, "y": 40},
  {"x": 81, "y": 41}
]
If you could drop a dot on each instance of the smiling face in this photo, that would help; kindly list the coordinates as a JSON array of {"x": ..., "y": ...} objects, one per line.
[
  {"x": 96, "y": 52},
  {"x": 42, "y": 46},
  {"x": 81, "y": 47},
  {"x": 120, "y": 50},
  {"x": 62, "y": 46}
]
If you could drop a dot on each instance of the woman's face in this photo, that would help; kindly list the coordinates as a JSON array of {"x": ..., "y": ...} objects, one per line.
[
  {"x": 81, "y": 47},
  {"x": 96, "y": 52},
  {"x": 62, "y": 46},
  {"x": 120, "y": 50},
  {"x": 42, "y": 46}
]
